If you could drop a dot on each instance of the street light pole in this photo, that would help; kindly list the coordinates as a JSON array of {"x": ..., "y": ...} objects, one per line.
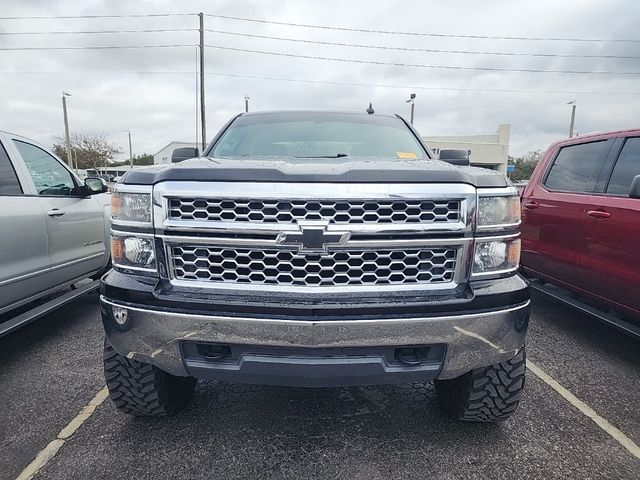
[
  {"x": 66, "y": 129},
  {"x": 130, "y": 150},
  {"x": 246, "y": 103},
  {"x": 573, "y": 117},
  {"x": 411, "y": 100},
  {"x": 202, "y": 109}
]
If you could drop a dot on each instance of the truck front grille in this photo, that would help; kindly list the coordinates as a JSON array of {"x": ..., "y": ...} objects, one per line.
[
  {"x": 334, "y": 268},
  {"x": 331, "y": 211},
  {"x": 316, "y": 237}
]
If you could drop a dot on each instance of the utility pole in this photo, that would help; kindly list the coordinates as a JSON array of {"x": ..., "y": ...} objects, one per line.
[
  {"x": 246, "y": 103},
  {"x": 130, "y": 150},
  {"x": 66, "y": 129},
  {"x": 202, "y": 113},
  {"x": 573, "y": 117},
  {"x": 412, "y": 100}
]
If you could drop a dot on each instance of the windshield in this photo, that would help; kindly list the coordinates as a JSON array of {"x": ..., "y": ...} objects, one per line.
[{"x": 318, "y": 135}]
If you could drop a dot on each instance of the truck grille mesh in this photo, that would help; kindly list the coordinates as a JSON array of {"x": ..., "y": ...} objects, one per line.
[
  {"x": 335, "y": 268},
  {"x": 333, "y": 211}
]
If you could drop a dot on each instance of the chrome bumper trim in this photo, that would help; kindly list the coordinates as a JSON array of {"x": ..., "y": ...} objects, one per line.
[{"x": 473, "y": 340}]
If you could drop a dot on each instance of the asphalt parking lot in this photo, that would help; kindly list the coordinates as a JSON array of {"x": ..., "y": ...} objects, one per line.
[{"x": 51, "y": 369}]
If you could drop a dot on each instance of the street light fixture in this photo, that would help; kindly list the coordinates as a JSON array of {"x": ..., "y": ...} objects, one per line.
[
  {"x": 573, "y": 117},
  {"x": 66, "y": 129},
  {"x": 411, "y": 100}
]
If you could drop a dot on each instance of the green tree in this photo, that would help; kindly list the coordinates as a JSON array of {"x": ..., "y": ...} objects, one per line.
[
  {"x": 89, "y": 151},
  {"x": 142, "y": 159},
  {"x": 525, "y": 165}
]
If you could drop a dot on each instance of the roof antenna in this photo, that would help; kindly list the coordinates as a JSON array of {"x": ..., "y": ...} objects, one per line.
[{"x": 370, "y": 109}]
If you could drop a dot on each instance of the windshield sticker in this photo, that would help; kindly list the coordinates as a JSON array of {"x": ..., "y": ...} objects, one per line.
[{"x": 406, "y": 155}]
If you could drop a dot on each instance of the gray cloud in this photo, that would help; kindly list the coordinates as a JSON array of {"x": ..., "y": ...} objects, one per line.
[{"x": 158, "y": 108}]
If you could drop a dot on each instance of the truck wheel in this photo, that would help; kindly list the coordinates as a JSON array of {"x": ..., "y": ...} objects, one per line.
[
  {"x": 141, "y": 389},
  {"x": 489, "y": 394}
]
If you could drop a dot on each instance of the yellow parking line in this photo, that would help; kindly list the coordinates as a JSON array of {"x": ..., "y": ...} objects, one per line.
[
  {"x": 50, "y": 451},
  {"x": 585, "y": 409}
]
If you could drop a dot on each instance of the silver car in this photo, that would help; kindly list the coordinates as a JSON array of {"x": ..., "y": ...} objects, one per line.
[{"x": 53, "y": 227}]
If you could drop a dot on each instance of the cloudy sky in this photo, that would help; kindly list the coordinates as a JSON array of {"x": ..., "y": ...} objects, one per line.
[{"x": 151, "y": 91}]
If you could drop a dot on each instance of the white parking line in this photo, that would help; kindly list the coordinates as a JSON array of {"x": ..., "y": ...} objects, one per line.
[
  {"x": 616, "y": 434},
  {"x": 48, "y": 452}
]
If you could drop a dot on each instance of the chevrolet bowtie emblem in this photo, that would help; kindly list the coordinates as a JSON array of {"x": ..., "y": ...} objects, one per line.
[{"x": 312, "y": 238}]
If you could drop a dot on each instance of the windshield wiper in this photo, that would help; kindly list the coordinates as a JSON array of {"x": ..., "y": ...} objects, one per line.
[{"x": 337, "y": 155}]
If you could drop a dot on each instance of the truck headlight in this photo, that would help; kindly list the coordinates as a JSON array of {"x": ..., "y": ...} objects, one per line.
[
  {"x": 129, "y": 208},
  {"x": 134, "y": 252},
  {"x": 497, "y": 256},
  {"x": 498, "y": 211}
]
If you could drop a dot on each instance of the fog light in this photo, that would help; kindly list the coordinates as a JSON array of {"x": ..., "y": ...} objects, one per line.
[
  {"x": 138, "y": 251},
  {"x": 133, "y": 252},
  {"x": 496, "y": 256}
]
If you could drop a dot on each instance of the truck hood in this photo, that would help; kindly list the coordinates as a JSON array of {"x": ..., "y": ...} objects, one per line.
[{"x": 317, "y": 170}]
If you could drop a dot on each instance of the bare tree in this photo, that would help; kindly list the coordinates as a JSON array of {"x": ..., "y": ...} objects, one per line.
[{"x": 90, "y": 151}]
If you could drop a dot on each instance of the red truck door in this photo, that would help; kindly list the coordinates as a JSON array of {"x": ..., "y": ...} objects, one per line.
[
  {"x": 612, "y": 234},
  {"x": 553, "y": 211}
]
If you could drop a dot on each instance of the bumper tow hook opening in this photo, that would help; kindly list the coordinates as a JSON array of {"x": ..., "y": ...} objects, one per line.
[
  {"x": 410, "y": 356},
  {"x": 214, "y": 352}
]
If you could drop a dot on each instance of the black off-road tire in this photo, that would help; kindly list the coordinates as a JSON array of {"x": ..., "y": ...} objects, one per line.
[
  {"x": 489, "y": 394},
  {"x": 141, "y": 389}
]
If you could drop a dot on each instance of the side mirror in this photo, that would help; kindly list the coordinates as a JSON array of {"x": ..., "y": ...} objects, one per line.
[
  {"x": 635, "y": 187},
  {"x": 94, "y": 185},
  {"x": 184, "y": 153},
  {"x": 455, "y": 157}
]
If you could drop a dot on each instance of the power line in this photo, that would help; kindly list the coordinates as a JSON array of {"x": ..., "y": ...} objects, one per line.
[
  {"x": 95, "y": 47},
  {"x": 420, "y": 87},
  {"x": 71, "y": 32},
  {"x": 421, "y": 34},
  {"x": 319, "y": 42},
  {"x": 323, "y": 27},
  {"x": 428, "y": 50},
  {"x": 77, "y": 72},
  {"x": 320, "y": 82},
  {"x": 133, "y": 15},
  {"x": 419, "y": 65}
]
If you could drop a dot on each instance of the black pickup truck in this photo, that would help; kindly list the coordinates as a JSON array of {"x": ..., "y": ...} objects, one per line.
[{"x": 316, "y": 249}]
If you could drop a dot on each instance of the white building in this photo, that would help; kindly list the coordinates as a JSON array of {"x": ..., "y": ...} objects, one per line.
[
  {"x": 491, "y": 151},
  {"x": 164, "y": 155}
]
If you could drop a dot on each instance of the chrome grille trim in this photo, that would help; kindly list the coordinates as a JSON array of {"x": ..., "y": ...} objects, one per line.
[
  {"x": 337, "y": 268},
  {"x": 396, "y": 242},
  {"x": 461, "y": 196},
  {"x": 340, "y": 212}
]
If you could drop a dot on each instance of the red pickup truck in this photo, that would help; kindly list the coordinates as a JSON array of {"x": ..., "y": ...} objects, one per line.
[{"x": 581, "y": 220}]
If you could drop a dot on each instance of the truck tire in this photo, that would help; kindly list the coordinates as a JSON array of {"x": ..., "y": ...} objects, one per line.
[
  {"x": 141, "y": 389},
  {"x": 489, "y": 394}
]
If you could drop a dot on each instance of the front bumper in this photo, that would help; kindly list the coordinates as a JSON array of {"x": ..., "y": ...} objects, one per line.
[{"x": 327, "y": 351}]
